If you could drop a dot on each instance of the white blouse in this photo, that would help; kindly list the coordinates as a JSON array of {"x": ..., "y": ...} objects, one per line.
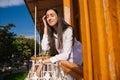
[{"x": 70, "y": 52}]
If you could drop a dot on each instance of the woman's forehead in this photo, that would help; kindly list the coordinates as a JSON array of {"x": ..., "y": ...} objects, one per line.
[{"x": 50, "y": 11}]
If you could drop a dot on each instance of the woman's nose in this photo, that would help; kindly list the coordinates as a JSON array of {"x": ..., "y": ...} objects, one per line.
[{"x": 49, "y": 18}]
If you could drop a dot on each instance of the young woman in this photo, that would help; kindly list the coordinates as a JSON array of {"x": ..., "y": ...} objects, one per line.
[{"x": 58, "y": 37}]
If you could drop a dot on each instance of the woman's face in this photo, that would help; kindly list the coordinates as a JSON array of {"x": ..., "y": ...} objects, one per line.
[{"x": 51, "y": 17}]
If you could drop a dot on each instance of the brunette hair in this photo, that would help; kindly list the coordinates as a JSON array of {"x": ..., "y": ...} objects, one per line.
[{"x": 62, "y": 26}]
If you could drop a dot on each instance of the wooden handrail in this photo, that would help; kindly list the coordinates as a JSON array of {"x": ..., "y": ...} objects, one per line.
[
  {"x": 40, "y": 57},
  {"x": 73, "y": 69}
]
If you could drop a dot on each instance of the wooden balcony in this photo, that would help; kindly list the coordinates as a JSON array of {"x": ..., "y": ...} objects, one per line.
[{"x": 55, "y": 70}]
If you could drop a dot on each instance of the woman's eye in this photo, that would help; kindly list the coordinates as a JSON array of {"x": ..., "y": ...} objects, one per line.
[{"x": 52, "y": 15}]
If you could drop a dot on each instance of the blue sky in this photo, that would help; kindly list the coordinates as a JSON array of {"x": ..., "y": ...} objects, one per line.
[{"x": 16, "y": 12}]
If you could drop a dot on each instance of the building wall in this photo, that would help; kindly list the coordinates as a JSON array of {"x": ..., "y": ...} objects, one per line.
[{"x": 100, "y": 34}]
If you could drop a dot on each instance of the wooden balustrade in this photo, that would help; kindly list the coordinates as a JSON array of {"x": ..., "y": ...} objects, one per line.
[{"x": 71, "y": 68}]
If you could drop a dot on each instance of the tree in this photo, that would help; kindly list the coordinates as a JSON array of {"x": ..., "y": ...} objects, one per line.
[
  {"x": 24, "y": 49},
  {"x": 6, "y": 40},
  {"x": 14, "y": 49}
]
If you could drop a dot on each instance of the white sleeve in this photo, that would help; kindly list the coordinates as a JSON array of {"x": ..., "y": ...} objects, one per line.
[
  {"x": 45, "y": 42},
  {"x": 67, "y": 46}
]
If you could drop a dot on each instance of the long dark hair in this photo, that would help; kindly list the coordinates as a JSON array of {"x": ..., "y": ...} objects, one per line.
[{"x": 62, "y": 26}]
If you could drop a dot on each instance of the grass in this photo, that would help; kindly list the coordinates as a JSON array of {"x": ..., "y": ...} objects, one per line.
[{"x": 16, "y": 76}]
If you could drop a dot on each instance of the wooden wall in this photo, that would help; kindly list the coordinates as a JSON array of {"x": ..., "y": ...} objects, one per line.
[
  {"x": 100, "y": 26},
  {"x": 100, "y": 31}
]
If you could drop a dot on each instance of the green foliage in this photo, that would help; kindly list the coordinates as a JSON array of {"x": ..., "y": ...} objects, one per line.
[
  {"x": 46, "y": 53},
  {"x": 14, "y": 49},
  {"x": 6, "y": 40},
  {"x": 24, "y": 49},
  {"x": 24, "y": 46},
  {"x": 16, "y": 76}
]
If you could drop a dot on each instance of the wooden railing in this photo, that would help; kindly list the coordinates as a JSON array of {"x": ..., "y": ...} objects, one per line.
[{"x": 73, "y": 69}]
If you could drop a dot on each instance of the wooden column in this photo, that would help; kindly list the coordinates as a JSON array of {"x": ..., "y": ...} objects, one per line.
[
  {"x": 67, "y": 11},
  {"x": 86, "y": 43},
  {"x": 113, "y": 23},
  {"x": 98, "y": 40}
]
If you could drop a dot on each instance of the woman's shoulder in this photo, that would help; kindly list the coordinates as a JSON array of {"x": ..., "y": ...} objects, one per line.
[{"x": 69, "y": 30}]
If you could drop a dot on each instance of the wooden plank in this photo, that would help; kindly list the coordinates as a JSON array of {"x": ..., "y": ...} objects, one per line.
[
  {"x": 118, "y": 13},
  {"x": 118, "y": 53},
  {"x": 98, "y": 40},
  {"x": 86, "y": 43},
  {"x": 111, "y": 56},
  {"x": 113, "y": 38}
]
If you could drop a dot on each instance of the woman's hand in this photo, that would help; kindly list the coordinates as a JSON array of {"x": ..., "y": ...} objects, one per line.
[
  {"x": 44, "y": 19},
  {"x": 45, "y": 24},
  {"x": 46, "y": 61}
]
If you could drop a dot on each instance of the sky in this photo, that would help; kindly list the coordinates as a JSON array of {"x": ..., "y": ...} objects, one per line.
[{"x": 15, "y": 12}]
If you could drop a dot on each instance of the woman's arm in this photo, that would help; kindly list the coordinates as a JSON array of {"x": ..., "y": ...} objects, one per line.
[{"x": 45, "y": 42}]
